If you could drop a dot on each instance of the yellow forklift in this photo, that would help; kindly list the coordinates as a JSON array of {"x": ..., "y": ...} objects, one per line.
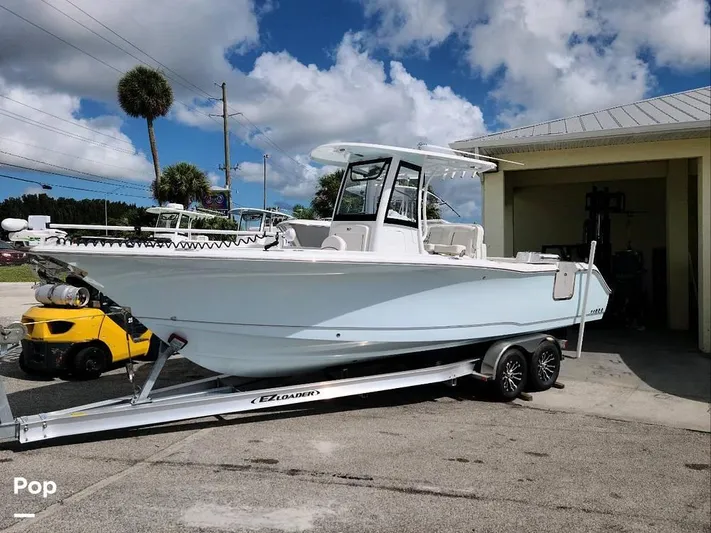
[{"x": 76, "y": 330}]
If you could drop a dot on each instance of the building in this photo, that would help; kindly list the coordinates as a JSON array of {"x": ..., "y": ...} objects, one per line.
[{"x": 635, "y": 177}]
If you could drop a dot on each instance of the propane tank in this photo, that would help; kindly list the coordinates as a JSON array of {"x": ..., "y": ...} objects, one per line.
[{"x": 62, "y": 294}]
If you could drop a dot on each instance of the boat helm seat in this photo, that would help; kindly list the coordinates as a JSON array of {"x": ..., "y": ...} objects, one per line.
[{"x": 457, "y": 240}]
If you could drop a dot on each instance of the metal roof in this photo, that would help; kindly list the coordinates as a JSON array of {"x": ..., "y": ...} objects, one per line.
[{"x": 680, "y": 115}]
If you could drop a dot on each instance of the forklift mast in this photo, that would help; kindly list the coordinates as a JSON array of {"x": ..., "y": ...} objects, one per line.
[{"x": 600, "y": 204}]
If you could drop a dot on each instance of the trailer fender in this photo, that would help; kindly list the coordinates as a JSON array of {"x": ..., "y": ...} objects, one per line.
[{"x": 527, "y": 343}]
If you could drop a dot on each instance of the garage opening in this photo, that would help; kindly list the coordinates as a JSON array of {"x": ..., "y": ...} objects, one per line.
[{"x": 623, "y": 207}]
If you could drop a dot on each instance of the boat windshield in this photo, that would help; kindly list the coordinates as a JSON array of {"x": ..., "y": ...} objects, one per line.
[
  {"x": 167, "y": 220},
  {"x": 403, "y": 200},
  {"x": 362, "y": 187},
  {"x": 250, "y": 222}
]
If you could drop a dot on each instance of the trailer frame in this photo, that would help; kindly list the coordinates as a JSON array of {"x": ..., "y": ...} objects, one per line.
[{"x": 224, "y": 394}]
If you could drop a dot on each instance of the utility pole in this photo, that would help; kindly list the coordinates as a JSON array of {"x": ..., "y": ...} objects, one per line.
[
  {"x": 225, "y": 126},
  {"x": 266, "y": 156}
]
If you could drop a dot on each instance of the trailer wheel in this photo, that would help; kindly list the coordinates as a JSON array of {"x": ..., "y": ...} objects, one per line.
[
  {"x": 90, "y": 362},
  {"x": 545, "y": 366},
  {"x": 511, "y": 375}
]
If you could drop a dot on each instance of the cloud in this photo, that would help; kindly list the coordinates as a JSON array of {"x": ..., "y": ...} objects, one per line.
[
  {"x": 62, "y": 143},
  {"x": 357, "y": 99},
  {"x": 34, "y": 190},
  {"x": 555, "y": 57},
  {"x": 215, "y": 179},
  {"x": 191, "y": 40},
  {"x": 297, "y": 105}
]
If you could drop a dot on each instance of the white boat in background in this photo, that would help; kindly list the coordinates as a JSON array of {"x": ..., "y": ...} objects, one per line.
[
  {"x": 174, "y": 216},
  {"x": 257, "y": 227},
  {"x": 382, "y": 282}
]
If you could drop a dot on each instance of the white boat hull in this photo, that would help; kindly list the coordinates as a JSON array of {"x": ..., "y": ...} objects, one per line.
[{"x": 318, "y": 314}]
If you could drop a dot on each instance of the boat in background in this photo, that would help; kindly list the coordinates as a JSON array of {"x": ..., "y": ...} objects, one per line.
[
  {"x": 174, "y": 216},
  {"x": 257, "y": 227},
  {"x": 381, "y": 284}
]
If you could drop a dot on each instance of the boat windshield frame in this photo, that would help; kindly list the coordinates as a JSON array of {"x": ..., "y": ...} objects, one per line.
[
  {"x": 415, "y": 199},
  {"x": 172, "y": 218},
  {"x": 348, "y": 179}
]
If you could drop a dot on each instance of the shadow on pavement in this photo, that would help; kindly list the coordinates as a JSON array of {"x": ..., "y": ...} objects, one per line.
[
  {"x": 58, "y": 394},
  {"x": 667, "y": 361}
]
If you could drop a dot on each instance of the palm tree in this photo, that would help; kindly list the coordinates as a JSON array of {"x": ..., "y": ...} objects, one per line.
[
  {"x": 183, "y": 183},
  {"x": 144, "y": 92}
]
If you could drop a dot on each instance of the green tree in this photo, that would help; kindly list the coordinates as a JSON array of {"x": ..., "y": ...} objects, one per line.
[
  {"x": 301, "y": 211},
  {"x": 145, "y": 92},
  {"x": 325, "y": 199},
  {"x": 71, "y": 211},
  {"x": 433, "y": 211},
  {"x": 217, "y": 223},
  {"x": 183, "y": 183}
]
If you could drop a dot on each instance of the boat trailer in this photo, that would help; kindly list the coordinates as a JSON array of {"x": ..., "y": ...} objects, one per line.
[{"x": 501, "y": 365}]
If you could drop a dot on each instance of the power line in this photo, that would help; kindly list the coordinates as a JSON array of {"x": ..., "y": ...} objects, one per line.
[
  {"x": 107, "y": 40},
  {"x": 55, "y": 129},
  {"x": 269, "y": 139},
  {"x": 44, "y": 185},
  {"x": 59, "y": 38},
  {"x": 117, "y": 180},
  {"x": 137, "y": 48},
  {"x": 67, "y": 121},
  {"x": 44, "y": 148},
  {"x": 107, "y": 182},
  {"x": 266, "y": 137},
  {"x": 85, "y": 52}
]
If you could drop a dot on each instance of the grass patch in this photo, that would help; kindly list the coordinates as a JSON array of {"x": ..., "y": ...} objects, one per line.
[{"x": 17, "y": 273}]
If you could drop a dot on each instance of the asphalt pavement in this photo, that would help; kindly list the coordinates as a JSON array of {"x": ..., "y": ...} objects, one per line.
[{"x": 428, "y": 459}]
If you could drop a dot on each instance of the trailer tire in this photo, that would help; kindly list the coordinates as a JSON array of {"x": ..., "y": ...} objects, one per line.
[
  {"x": 511, "y": 375},
  {"x": 90, "y": 362},
  {"x": 545, "y": 366}
]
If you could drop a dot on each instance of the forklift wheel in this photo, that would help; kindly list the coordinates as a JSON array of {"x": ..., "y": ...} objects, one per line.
[
  {"x": 22, "y": 362},
  {"x": 153, "y": 348},
  {"x": 90, "y": 362}
]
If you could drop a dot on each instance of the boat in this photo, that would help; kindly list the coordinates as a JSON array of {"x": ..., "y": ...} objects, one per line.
[
  {"x": 257, "y": 227},
  {"x": 175, "y": 216},
  {"x": 383, "y": 283},
  {"x": 303, "y": 233}
]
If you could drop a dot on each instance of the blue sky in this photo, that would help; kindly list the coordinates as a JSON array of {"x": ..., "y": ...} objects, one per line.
[{"x": 309, "y": 72}]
